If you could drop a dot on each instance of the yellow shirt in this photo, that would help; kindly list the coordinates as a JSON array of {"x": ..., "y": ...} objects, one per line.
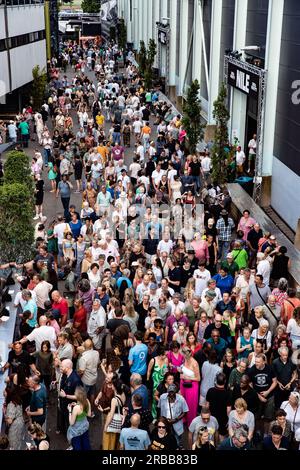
[
  {"x": 103, "y": 151},
  {"x": 100, "y": 120}
]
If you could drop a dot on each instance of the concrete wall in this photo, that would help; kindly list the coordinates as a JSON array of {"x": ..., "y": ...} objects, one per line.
[{"x": 25, "y": 19}]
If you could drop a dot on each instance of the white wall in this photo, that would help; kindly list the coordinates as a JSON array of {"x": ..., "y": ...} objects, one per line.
[
  {"x": 285, "y": 197},
  {"x": 25, "y": 19},
  {"x": 2, "y": 23},
  {"x": 23, "y": 59},
  {"x": 4, "y": 76}
]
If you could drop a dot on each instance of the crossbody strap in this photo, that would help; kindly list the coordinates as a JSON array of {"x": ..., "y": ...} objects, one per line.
[{"x": 277, "y": 320}]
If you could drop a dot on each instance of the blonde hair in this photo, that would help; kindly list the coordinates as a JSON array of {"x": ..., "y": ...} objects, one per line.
[
  {"x": 81, "y": 397},
  {"x": 241, "y": 403}
]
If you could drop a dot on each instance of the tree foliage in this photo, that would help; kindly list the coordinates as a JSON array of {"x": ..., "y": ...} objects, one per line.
[
  {"x": 219, "y": 151},
  {"x": 17, "y": 233},
  {"x": 142, "y": 58},
  {"x": 91, "y": 6},
  {"x": 38, "y": 87},
  {"x": 122, "y": 34},
  {"x": 17, "y": 169},
  {"x": 191, "y": 119},
  {"x": 146, "y": 62}
]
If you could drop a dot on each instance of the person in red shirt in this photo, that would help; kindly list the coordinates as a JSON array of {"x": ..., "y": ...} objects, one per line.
[
  {"x": 60, "y": 304},
  {"x": 79, "y": 318}
]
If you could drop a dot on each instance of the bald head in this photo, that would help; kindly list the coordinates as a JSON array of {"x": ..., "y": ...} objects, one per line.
[
  {"x": 88, "y": 344},
  {"x": 135, "y": 420},
  {"x": 66, "y": 366},
  {"x": 43, "y": 320}
]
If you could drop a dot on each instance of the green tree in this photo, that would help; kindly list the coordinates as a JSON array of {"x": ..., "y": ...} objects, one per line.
[
  {"x": 112, "y": 33},
  {"x": 17, "y": 169},
  {"x": 91, "y": 6},
  {"x": 142, "y": 58},
  {"x": 219, "y": 150},
  {"x": 122, "y": 34},
  {"x": 191, "y": 119},
  {"x": 17, "y": 232},
  {"x": 38, "y": 87},
  {"x": 151, "y": 53}
]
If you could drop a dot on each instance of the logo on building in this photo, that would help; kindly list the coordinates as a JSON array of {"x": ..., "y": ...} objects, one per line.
[{"x": 296, "y": 94}]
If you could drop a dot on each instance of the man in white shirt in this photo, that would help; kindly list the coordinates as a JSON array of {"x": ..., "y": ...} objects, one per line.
[
  {"x": 165, "y": 287},
  {"x": 140, "y": 152},
  {"x": 42, "y": 333},
  {"x": 41, "y": 290},
  {"x": 263, "y": 268},
  {"x": 206, "y": 166},
  {"x": 211, "y": 286},
  {"x": 252, "y": 152},
  {"x": 157, "y": 175},
  {"x": 201, "y": 276},
  {"x": 96, "y": 324},
  {"x": 60, "y": 228},
  {"x": 88, "y": 368},
  {"x": 137, "y": 127},
  {"x": 240, "y": 158},
  {"x": 134, "y": 169},
  {"x": 176, "y": 303},
  {"x": 165, "y": 245}
]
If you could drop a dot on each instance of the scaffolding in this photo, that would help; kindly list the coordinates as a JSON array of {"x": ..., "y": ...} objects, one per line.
[{"x": 262, "y": 75}]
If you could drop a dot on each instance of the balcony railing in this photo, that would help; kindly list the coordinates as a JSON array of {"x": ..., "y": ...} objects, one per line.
[{"x": 19, "y": 3}]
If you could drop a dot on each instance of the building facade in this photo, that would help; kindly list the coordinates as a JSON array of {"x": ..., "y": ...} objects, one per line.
[
  {"x": 261, "y": 41},
  {"x": 22, "y": 47}
]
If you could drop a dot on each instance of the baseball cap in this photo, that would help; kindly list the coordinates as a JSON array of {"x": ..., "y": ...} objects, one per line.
[
  {"x": 134, "y": 263},
  {"x": 172, "y": 388},
  {"x": 153, "y": 286},
  {"x": 272, "y": 237},
  {"x": 223, "y": 212}
]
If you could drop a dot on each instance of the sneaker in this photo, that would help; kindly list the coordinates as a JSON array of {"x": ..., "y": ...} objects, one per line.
[
  {"x": 69, "y": 448},
  {"x": 36, "y": 217}
]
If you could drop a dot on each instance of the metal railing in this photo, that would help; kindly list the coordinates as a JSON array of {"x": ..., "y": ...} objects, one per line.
[{"x": 18, "y": 3}]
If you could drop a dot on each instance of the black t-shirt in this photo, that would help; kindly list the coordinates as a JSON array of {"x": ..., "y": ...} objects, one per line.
[
  {"x": 200, "y": 357},
  {"x": 261, "y": 379},
  {"x": 195, "y": 168},
  {"x": 224, "y": 331},
  {"x": 185, "y": 275},
  {"x": 218, "y": 400},
  {"x": 113, "y": 324},
  {"x": 162, "y": 443},
  {"x": 69, "y": 384},
  {"x": 143, "y": 313},
  {"x": 15, "y": 360},
  {"x": 49, "y": 259},
  {"x": 174, "y": 275},
  {"x": 250, "y": 397},
  {"x": 254, "y": 237},
  {"x": 282, "y": 371},
  {"x": 146, "y": 114}
]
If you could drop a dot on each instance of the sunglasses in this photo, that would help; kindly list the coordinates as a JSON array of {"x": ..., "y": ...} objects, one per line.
[
  {"x": 161, "y": 427},
  {"x": 203, "y": 428}
]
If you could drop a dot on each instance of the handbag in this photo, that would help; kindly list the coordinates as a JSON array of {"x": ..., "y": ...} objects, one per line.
[{"x": 115, "y": 425}]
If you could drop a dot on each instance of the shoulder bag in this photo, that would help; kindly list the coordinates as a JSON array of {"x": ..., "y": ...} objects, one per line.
[{"x": 115, "y": 425}]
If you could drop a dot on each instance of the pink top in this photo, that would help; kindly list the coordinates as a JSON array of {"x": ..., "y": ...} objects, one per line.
[
  {"x": 246, "y": 225},
  {"x": 201, "y": 249},
  {"x": 176, "y": 362}
]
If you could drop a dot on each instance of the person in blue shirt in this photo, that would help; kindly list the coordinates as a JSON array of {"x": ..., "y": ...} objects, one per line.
[
  {"x": 239, "y": 441},
  {"x": 124, "y": 277},
  {"x": 75, "y": 226},
  {"x": 138, "y": 389},
  {"x": 31, "y": 306},
  {"x": 224, "y": 280},
  {"x": 137, "y": 358}
]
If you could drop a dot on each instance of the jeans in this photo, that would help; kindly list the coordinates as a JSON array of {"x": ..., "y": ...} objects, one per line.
[
  {"x": 223, "y": 249},
  {"x": 116, "y": 136},
  {"x": 81, "y": 442},
  {"x": 47, "y": 156},
  {"x": 24, "y": 139},
  {"x": 65, "y": 202},
  {"x": 197, "y": 183}
]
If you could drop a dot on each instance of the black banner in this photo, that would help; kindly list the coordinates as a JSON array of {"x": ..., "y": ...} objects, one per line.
[{"x": 243, "y": 80}]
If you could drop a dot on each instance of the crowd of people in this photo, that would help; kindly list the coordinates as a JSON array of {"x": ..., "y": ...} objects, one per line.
[{"x": 146, "y": 303}]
